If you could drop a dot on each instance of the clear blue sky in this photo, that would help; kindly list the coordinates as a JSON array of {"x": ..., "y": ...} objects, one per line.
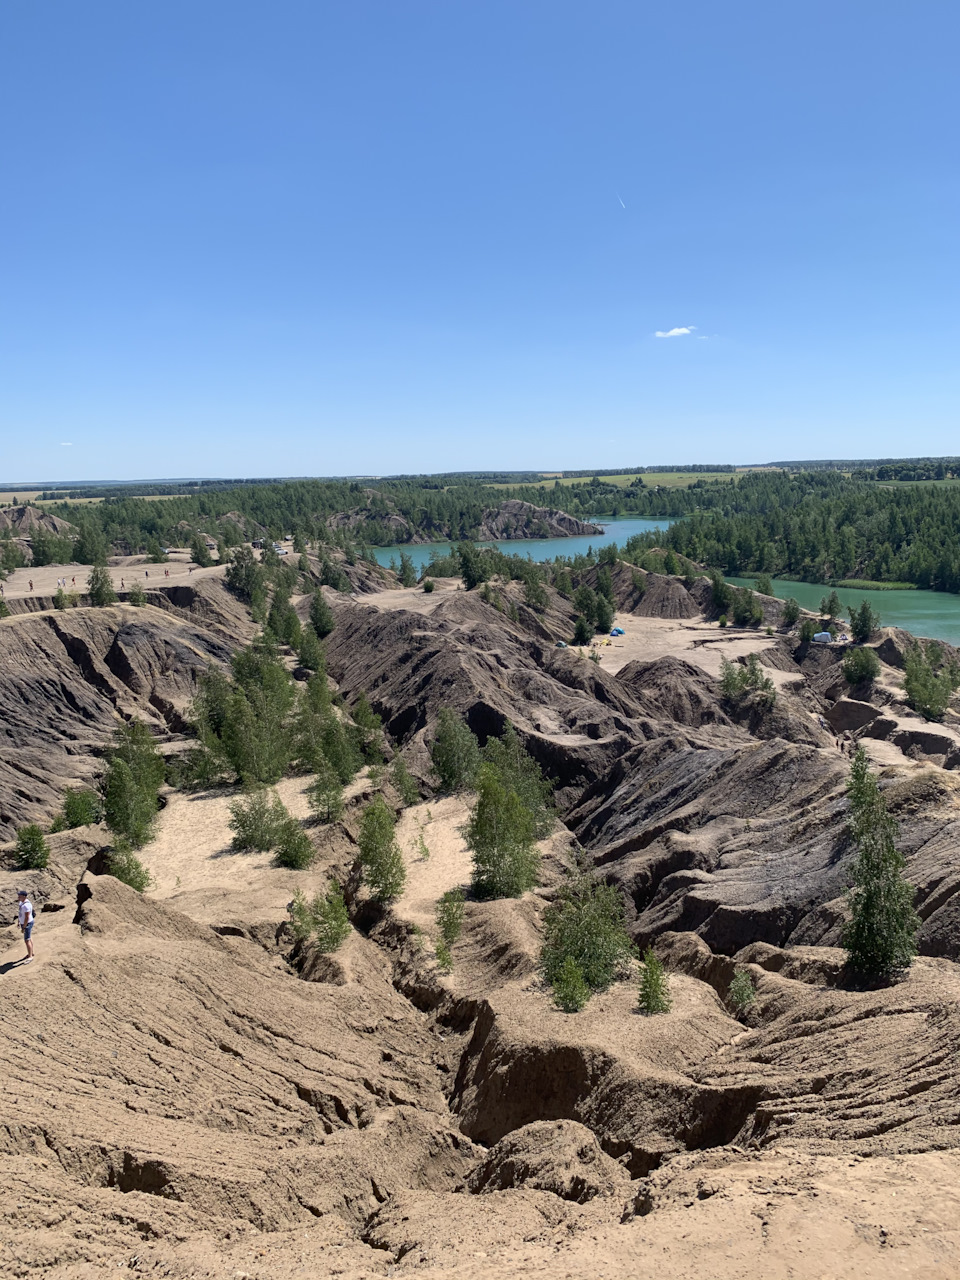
[{"x": 298, "y": 237}]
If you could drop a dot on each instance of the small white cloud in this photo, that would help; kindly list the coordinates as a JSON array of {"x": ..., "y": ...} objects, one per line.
[
  {"x": 66, "y": 444},
  {"x": 675, "y": 333}
]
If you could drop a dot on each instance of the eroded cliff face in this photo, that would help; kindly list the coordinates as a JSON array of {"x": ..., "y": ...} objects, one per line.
[
  {"x": 186, "y": 1088},
  {"x": 67, "y": 679}
]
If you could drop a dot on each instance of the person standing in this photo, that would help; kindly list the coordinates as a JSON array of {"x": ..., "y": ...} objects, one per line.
[{"x": 25, "y": 917}]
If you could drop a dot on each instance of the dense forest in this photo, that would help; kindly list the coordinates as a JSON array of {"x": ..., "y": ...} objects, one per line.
[{"x": 821, "y": 526}]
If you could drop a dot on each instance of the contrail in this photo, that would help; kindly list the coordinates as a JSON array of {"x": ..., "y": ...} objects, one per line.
[{"x": 620, "y": 198}]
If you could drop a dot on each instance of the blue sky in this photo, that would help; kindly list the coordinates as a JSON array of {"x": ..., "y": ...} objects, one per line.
[{"x": 300, "y": 238}]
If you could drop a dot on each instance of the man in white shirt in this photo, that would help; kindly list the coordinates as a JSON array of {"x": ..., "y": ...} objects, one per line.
[{"x": 25, "y": 917}]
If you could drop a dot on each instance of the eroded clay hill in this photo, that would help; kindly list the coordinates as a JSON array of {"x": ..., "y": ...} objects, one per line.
[{"x": 188, "y": 1091}]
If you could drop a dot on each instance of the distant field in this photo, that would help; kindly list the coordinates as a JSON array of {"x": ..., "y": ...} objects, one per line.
[
  {"x": 9, "y": 499},
  {"x": 665, "y": 479}
]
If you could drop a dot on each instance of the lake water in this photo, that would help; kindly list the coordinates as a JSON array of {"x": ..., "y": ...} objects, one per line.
[
  {"x": 538, "y": 548},
  {"x": 935, "y": 614}
]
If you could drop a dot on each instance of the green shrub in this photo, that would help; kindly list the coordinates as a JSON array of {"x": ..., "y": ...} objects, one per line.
[
  {"x": 129, "y": 810},
  {"x": 742, "y": 992},
  {"x": 881, "y": 934},
  {"x": 721, "y": 592},
  {"x": 519, "y": 771},
  {"x": 582, "y": 631},
  {"x": 33, "y": 852},
  {"x": 928, "y": 680},
  {"x": 381, "y": 861},
  {"x": 502, "y": 834},
  {"x": 325, "y": 918},
  {"x": 325, "y": 793},
  {"x": 746, "y": 610},
  {"x": 294, "y": 848},
  {"x": 257, "y": 821},
  {"x": 722, "y": 620},
  {"x": 126, "y": 866},
  {"x": 137, "y": 596},
  {"x": 570, "y": 991},
  {"x": 737, "y": 680},
  {"x": 444, "y": 956},
  {"x": 81, "y": 808},
  {"x": 763, "y": 585},
  {"x": 450, "y": 913},
  {"x": 311, "y": 654},
  {"x": 403, "y": 781},
  {"x": 585, "y": 923},
  {"x": 860, "y": 665},
  {"x": 429, "y": 585},
  {"x": 654, "y": 987},
  {"x": 863, "y": 622},
  {"x": 789, "y": 612},
  {"x": 808, "y": 629},
  {"x": 100, "y": 587},
  {"x": 455, "y": 752},
  {"x": 60, "y": 599},
  {"x": 830, "y": 606}
]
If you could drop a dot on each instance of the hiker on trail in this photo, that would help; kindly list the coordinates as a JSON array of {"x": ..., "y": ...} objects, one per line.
[
  {"x": 123, "y": 585},
  {"x": 25, "y": 919},
  {"x": 74, "y": 581},
  {"x": 146, "y": 573},
  {"x": 31, "y": 584}
]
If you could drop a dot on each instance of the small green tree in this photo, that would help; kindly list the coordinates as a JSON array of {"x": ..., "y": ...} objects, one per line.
[
  {"x": 830, "y": 606},
  {"x": 603, "y": 615},
  {"x": 429, "y": 585},
  {"x": 325, "y": 793},
  {"x": 790, "y": 612},
  {"x": 582, "y": 631},
  {"x": 311, "y": 654},
  {"x": 721, "y": 592},
  {"x": 747, "y": 612},
  {"x": 654, "y": 987},
  {"x": 863, "y": 622},
  {"x": 129, "y": 809},
  {"x": 570, "y": 991},
  {"x": 325, "y": 918},
  {"x": 929, "y": 681},
  {"x": 403, "y": 781},
  {"x": 860, "y": 665},
  {"x": 124, "y": 865},
  {"x": 60, "y": 599},
  {"x": 256, "y": 821},
  {"x": 585, "y": 923},
  {"x": 408, "y": 574},
  {"x": 381, "y": 861},
  {"x": 455, "y": 752},
  {"x": 763, "y": 585},
  {"x": 808, "y": 629},
  {"x": 501, "y": 833},
  {"x": 136, "y": 595},
  {"x": 100, "y": 587},
  {"x": 200, "y": 552},
  {"x": 294, "y": 848},
  {"x": 450, "y": 915},
  {"x": 520, "y": 772},
  {"x": 737, "y": 680},
  {"x": 33, "y": 852},
  {"x": 742, "y": 992},
  {"x": 881, "y": 935},
  {"x": 81, "y": 808}
]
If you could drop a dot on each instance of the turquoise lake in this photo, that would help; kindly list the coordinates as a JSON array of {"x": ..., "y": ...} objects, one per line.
[
  {"x": 935, "y": 614},
  {"x": 538, "y": 548}
]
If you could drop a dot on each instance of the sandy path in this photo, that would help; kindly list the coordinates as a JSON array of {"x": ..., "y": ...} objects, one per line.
[
  {"x": 133, "y": 569},
  {"x": 448, "y": 865}
]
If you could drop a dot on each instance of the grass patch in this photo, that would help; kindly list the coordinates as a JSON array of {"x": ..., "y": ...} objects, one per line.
[{"x": 864, "y": 584}]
